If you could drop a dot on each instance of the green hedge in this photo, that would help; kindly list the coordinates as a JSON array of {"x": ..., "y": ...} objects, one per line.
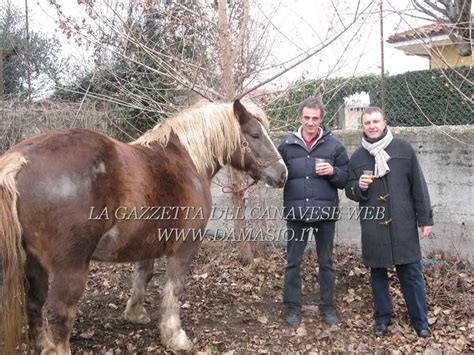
[{"x": 412, "y": 99}]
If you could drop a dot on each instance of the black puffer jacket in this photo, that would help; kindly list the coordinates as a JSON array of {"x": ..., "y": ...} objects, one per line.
[
  {"x": 403, "y": 194},
  {"x": 307, "y": 196}
]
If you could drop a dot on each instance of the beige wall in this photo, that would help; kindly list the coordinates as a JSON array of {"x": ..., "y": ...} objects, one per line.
[{"x": 446, "y": 56}]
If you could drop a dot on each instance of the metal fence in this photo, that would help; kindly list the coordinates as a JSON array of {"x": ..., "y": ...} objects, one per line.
[
  {"x": 420, "y": 98},
  {"x": 21, "y": 120},
  {"x": 423, "y": 98}
]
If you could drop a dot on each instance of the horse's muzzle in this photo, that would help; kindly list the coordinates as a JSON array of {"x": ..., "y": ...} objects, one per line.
[{"x": 276, "y": 174}]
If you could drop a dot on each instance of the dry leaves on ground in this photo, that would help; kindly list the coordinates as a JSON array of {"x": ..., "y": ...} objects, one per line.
[{"x": 229, "y": 308}]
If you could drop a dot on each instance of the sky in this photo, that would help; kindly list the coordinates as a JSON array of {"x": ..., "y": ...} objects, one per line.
[
  {"x": 298, "y": 25},
  {"x": 358, "y": 51}
]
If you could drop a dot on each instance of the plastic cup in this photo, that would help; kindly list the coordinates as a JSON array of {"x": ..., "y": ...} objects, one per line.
[
  {"x": 318, "y": 161},
  {"x": 369, "y": 174}
]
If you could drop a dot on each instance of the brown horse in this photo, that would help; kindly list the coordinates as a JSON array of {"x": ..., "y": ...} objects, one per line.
[{"x": 73, "y": 196}]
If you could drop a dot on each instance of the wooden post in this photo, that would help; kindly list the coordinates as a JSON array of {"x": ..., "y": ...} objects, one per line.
[
  {"x": 382, "y": 57},
  {"x": 2, "y": 88}
]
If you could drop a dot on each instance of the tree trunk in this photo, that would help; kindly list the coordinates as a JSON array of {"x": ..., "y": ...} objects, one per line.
[{"x": 228, "y": 88}]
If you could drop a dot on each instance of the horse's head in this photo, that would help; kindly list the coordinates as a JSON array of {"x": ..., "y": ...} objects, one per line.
[{"x": 257, "y": 154}]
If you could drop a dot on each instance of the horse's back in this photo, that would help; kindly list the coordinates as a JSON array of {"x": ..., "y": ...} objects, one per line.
[
  {"x": 55, "y": 139},
  {"x": 66, "y": 164}
]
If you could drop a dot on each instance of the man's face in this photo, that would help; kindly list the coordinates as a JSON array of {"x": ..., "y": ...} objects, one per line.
[
  {"x": 373, "y": 124},
  {"x": 310, "y": 120}
]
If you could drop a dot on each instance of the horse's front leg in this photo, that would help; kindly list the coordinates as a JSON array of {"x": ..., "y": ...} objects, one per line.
[
  {"x": 135, "y": 311},
  {"x": 173, "y": 336}
]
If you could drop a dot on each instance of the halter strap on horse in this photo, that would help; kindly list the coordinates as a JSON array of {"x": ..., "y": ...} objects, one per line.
[
  {"x": 240, "y": 193},
  {"x": 245, "y": 148}
]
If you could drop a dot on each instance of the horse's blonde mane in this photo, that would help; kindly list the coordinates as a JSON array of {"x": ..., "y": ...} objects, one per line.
[{"x": 209, "y": 132}]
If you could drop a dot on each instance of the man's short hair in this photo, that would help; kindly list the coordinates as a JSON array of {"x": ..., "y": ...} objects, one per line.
[
  {"x": 370, "y": 110},
  {"x": 311, "y": 102}
]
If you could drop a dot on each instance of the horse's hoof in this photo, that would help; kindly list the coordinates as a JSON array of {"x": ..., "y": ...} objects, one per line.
[
  {"x": 44, "y": 342},
  {"x": 180, "y": 342},
  {"x": 59, "y": 350},
  {"x": 138, "y": 317}
]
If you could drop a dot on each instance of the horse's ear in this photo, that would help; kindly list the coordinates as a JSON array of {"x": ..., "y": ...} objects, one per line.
[{"x": 241, "y": 112}]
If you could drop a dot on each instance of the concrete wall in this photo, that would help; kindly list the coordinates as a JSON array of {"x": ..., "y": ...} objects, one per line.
[{"x": 446, "y": 156}]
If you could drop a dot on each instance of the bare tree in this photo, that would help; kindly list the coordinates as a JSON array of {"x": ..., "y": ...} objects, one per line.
[
  {"x": 215, "y": 50},
  {"x": 455, "y": 15}
]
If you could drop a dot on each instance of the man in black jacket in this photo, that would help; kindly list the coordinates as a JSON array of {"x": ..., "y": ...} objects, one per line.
[
  {"x": 311, "y": 205},
  {"x": 397, "y": 185}
]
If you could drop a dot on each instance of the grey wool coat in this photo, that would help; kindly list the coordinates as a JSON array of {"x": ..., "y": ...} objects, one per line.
[{"x": 392, "y": 239}]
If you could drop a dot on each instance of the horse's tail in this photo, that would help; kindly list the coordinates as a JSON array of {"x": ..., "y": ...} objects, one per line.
[{"x": 13, "y": 316}]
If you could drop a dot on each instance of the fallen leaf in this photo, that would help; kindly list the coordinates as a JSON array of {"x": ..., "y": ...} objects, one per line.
[
  {"x": 87, "y": 335},
  {"x": 437, "y": 310},
  {"x": 301, "y": 331}
]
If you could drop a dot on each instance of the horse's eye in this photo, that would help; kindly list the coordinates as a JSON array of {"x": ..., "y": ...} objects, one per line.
[{"x": 255, "y": 135}]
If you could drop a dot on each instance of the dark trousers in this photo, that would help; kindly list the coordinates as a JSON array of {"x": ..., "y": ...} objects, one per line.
[
  {"x": 298, "y": 233},
  {"x": 413, "y": 289}
]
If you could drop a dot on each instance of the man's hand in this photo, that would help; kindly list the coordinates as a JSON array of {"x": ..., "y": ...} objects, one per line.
[
  {"x": 324, "y": 169},
  {"x": 364, "y": 182},
  {"x": 425, "y": 231}
]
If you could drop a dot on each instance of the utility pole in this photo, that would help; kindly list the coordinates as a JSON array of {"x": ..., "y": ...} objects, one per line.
[
  {"x": 2, "y": 85},
  {"x": 28, "y": 53},
  {"x": 382, "y": 59}
]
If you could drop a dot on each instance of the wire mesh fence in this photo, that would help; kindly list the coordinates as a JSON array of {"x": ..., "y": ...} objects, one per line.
[
  {"x": 21, "y": 120},
  {"x": 420, "y": 98}
]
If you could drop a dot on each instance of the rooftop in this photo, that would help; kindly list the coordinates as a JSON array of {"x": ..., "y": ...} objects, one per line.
[{"x": 431, "y": 30}]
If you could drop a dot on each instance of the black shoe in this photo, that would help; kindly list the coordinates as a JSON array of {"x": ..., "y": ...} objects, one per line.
[
  {"x": 293, "y": 319},
  {"x": 423, "y": 333},
  {"x": 381, "y": 330},
  {"x": 330, "y": 318}
]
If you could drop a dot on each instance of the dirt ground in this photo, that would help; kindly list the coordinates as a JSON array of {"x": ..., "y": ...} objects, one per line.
[{"x": 230, "y": 308}]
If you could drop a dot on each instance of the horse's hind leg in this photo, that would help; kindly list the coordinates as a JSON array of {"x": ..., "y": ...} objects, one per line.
[
  {"x": 173, "y": 336},
  {"x": 135, "y": 311},
  {"x": 36, "y": 296},
  {"x": 66, "y": 288}
]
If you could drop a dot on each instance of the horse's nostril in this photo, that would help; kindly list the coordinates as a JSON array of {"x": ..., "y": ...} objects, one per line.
[{"x": 283, "y": 176}]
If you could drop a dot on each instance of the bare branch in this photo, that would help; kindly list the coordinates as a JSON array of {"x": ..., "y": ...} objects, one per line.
[
  {"x": 305, "y": 58},
  {"x": 456, "y": 17}
]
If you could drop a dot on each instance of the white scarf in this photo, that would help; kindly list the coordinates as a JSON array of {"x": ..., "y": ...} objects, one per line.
[{"x": 377, "y": 150}]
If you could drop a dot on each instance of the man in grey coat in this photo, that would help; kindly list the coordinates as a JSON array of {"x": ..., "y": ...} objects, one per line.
[{"x": 384, "y": 172}]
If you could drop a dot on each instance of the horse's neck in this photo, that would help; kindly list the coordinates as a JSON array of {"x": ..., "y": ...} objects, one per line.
[
  {"x": 213, "y": 172},
  {"x": 175, "y": 144}
]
